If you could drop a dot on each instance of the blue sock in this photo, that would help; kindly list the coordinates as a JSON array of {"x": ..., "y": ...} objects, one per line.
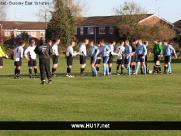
[
  {"x": 129, "y": 70},
  {"x": 104, "y": 69},
  {"x": 95, "y": 71},
  {"x": 145, "y": 70},
  {"x": 92, "y": 72},
  {"x": 137, "y": 68},
  {"x": 107, "y": 70},
  {"x": 169, "y": 69}
]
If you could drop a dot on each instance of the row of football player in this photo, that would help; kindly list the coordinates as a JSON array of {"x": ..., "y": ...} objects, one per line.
[
  {"x": 129, "y": 56},
  {"x": 126, "y": 56},
  {"x": 30, "y": 55}
]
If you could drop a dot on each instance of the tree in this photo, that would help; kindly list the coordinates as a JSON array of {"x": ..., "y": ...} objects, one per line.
[
  {"x": 61, "y": 24},
  {"x": 78, "y": 8},
  {"x": 3, "y": 10},
  {"x": 129, "y": 26},
  {"x": 130, "y": 14}
]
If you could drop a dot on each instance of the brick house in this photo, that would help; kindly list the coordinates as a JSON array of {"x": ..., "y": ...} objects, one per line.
[
  {"x": 93, "y": 28},
  {"x": 14, "y": 31},
  {"x": 177, "y": 27},
  {"x": 101, "y": 27}
]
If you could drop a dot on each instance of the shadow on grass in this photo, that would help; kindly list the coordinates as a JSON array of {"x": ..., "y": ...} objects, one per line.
[{"x": 162, "y": 61}]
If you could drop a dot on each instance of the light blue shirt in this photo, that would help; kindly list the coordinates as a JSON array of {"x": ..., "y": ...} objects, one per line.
[
  {"x": 168, "y": 50},
  {"x": 127, "y": 50},
  {"x": 141, "y": 50},
  {"x": 93, "y": 51},
  {"x": 105, "y": 51}
]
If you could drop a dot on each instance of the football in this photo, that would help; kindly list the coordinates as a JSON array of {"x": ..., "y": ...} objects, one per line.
[{"x": 149, "y": 71}]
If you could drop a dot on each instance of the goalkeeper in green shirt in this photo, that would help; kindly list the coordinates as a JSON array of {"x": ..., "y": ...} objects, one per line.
[{"x": 157, "y": 51}]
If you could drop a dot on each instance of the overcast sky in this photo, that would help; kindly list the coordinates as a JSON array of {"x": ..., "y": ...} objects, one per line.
[{"x": 167, "y": 9}]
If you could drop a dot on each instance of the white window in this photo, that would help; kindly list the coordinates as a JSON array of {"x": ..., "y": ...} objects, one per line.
[
  {"x": 101, "y": 30},
  {"x": 111, "y": 30},
  {"x": 81, "y": 30},
  {"x": 7, "y": 33},
  {"x": 90, "y": 30},
  {"x": 32, "y": 33},
  {"x": 75, "y": 31},
  {"x": 42, "y": 34},
  {"x": 17, "y": 34}
]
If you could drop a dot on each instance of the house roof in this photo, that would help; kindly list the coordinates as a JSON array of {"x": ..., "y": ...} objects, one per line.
[
  {"x": 21, "y": 25},
  {"x": 112, "y": 20},
  {"x": 88, "y": 21},
  {"x": 152, "y": 15},
  {"x": 177, "y": 24},
  {"x": 99, "y": 21}
]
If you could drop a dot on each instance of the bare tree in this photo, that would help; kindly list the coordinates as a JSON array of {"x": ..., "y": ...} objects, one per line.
[
  {"x": 128, "y": 26},
  {"x": 130, "y": 14},
  {"x": 78, "y": 9},
  {"x": 129, "y": 8},
  {"x": 3, "y": 10}
]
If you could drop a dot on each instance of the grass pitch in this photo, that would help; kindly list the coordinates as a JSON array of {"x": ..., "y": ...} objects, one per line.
[{"x": 115, "y": 98}]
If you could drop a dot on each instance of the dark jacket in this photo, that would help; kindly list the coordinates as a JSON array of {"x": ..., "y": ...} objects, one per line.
[{"x": 43, "y": 50}]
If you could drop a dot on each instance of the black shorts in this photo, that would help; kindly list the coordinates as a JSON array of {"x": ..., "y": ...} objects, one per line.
[
  {"x": 133, "y": 58},
  {"x": 69, "y": 60},
  {"x": 98, "y": 61},
  {"x": 93, "y": 60},
  {"x": 140, "y": 58},
  {"x": 18, "y": 63},
  {"x": 105, "y": 59},
  {"x": 32, "y": 63},
  {"x": 167, "y": 59},
  {"x": 55, "y": 59},
  {"x": 120, "y": 61},
  {"x": 127, "y": 61},
  {"x": 110, "y": 59},
  {"x": 146, "y": 58},
  {"x": 82, "y": 59},
  {"x": 1, "y": 61},
  {"x": 156, "y": 58}
]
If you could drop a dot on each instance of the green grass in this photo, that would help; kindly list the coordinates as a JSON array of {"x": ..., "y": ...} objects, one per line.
[{"x": 116, "y": 98}]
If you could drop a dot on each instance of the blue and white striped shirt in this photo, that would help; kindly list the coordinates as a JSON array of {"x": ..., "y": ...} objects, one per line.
[
  {"x": 168, "y": 50},
  {"x": 141, "y": 50},
  {"x": 128, "y": 50},
  {"x": 105, "y": 51},
  {"x": 94, "y": 51}
]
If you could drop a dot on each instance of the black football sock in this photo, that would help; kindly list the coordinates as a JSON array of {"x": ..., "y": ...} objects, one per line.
[
  {"x": 18, "y": 72},
  {"x": 35, "y": 70},
  {"x": 15, "y": 71},
  {"x": 141, "y": 70},
  {"x": 67, "y": 70},
  {"x": 30, "y": 71},
  {"x": 81, "y": 70},
  {"x": 117, "y": 67},
  {"x": 97, "y": 68},
  {"x": 133, "y": 68},
  {"x": 122, "y": 70},
  {"x": 159, "y": 68},
  {"x": 109, "y": 69},
  {"x": 53, "y": 70}
]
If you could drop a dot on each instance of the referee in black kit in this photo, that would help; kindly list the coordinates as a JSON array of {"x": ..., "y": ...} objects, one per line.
[{"x": 44, "y": 51}]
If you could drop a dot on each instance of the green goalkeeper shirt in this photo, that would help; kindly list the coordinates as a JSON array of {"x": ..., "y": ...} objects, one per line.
[{"x": 157, "y": 50}]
